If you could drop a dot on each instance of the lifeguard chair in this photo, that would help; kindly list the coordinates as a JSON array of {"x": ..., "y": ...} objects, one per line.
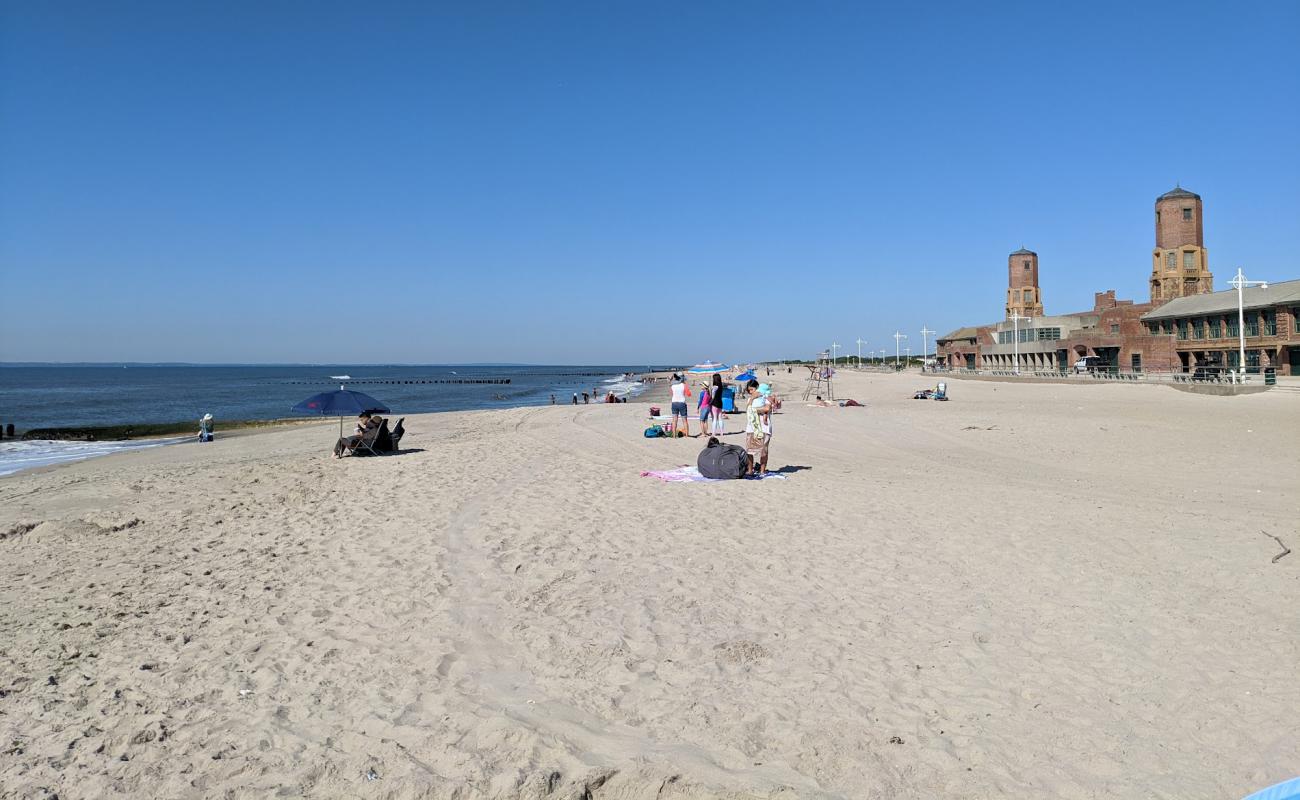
[{"x": 821, "y": 375}]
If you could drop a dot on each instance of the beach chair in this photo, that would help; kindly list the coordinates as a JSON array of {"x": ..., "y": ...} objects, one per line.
[
  {"x": 398, "y": 432},
  {"x": 375, "y": 442}
]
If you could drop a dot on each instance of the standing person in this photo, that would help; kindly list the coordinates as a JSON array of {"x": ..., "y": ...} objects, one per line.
[
  {"x": 715, "y": 400},
  {"x": 680, "y": 392},
  {"x": 758, "y": 425},
  {"x": 552, "y": 399},
  {"x": 575, "y": 398},
  {"x": 705, "y": 409}
]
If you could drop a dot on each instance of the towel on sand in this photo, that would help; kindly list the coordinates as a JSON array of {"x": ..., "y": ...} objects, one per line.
[{"x": 692, "y": 475}]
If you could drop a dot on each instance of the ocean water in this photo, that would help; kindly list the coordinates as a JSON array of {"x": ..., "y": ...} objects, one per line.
[{"x": 67, "y": 396}]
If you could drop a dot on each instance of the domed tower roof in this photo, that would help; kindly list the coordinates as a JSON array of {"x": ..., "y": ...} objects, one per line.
[
  {"x": 1023, "y": 252},
  {"x": 1175, "y": 192}
]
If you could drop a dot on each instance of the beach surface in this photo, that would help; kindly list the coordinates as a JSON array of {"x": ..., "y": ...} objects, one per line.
[{"x": 1030, "y": 591}]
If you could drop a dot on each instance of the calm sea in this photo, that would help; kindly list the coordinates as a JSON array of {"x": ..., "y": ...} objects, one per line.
[{"x": 63, "y": 396}]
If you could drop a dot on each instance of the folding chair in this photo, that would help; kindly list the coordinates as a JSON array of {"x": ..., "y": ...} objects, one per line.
[
  {"x": 374, "y": 442},
  {"x": 398, "y": 432}
]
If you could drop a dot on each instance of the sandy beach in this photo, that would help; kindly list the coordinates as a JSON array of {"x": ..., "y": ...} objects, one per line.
[{"x": 1030, "y": 591}]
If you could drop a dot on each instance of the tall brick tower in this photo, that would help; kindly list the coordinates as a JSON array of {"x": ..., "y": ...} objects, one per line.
[
  {"x": 1180, "y": 264},
  {"x": 1023, "y": 294}
]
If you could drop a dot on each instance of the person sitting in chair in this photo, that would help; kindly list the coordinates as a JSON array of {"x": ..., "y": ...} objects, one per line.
[{"x": 366, "y": 426}]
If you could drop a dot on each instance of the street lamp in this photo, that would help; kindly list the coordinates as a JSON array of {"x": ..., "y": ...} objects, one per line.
[
  {"x": 1240, "y": 283},
  {"x": 908, "y": 351},
  {"x": 835, "y": 346},
  {"x": 882, "y": 358},
  {"x": 925, "y": 347},
  {"x": 897, "y": 337},
  {"x": 1015, "y": 335},
  {"x": 860, "y": 343}
]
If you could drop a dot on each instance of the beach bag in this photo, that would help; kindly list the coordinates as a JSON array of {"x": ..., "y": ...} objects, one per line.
[
  {"x": 723, "y": 461},
  {"x": 654, "y": 411},
  {"x": 654, "y": 432}
]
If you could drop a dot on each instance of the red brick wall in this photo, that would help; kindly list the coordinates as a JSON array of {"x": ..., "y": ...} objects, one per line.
[
  {"x": 1017, "y": 276},
  {"x": 1172, "y": 230}
]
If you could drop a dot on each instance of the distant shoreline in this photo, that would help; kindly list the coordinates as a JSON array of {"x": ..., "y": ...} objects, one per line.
[{"x": 132, "y": 432}]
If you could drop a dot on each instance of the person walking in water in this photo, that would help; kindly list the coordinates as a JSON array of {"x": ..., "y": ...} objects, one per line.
[{"x": 681, "y": 414}]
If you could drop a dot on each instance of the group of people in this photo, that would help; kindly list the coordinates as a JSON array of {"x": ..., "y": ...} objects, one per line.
[
  {"x": 610, "y": 397},
  {"x": 709, "y": 407},
  {"x": 758, "y": 414}
]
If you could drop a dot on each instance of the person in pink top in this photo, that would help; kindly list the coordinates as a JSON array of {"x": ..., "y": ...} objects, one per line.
[{"x": 705, "y": 408}]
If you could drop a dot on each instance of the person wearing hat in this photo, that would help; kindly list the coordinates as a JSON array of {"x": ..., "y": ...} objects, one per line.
[{"x": 205, "y": 428}]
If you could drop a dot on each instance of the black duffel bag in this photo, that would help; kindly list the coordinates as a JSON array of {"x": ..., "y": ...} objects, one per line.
[{"x": 724, "y": 461}]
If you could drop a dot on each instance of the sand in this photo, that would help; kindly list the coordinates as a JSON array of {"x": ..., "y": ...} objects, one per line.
[{"x": 1030, "y": 591}]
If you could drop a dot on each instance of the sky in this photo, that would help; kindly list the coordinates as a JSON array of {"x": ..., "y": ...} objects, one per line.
[{"x": 613, "y": 183}]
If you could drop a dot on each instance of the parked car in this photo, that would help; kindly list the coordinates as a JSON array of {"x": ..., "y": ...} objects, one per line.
[{"x": 1088, "y": 364}]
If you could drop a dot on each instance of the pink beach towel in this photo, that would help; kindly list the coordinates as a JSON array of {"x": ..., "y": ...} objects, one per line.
[{"x": 692, "y": 475}]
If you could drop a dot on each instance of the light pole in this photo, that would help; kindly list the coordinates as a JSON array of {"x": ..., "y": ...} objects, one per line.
[
  {"x": 882, "y": 358},
  {"x": 1015, "y": 335},
  {"x": 835, "y": 346},
  {"x": 925, "y": 347},
  {"x": 1240, "y": 283},
  {"x": 897, "y": 337},
  {"x": 860, "y": 343},
  {"x": 908, "y": 351}
]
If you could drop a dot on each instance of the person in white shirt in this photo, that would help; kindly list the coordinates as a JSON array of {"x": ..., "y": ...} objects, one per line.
[{"x": 680, "y": 412}]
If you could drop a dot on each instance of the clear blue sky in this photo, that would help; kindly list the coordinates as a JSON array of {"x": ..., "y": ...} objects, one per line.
[{"x": 613, "y": 182}]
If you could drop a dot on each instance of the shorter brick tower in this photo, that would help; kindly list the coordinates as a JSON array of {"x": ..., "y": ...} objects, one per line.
[
  {"x": 1180, "y": 264},
  {"x": 1023, "y": 294}
]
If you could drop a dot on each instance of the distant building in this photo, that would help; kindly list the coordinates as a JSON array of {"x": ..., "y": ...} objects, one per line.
[
  {"x": 1180, "y": 265},
  {"x": 1185, "y": 325},
  {"x": 1023, "y": 295}
]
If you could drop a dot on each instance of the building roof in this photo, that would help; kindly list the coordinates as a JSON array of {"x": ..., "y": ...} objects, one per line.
[
  {"x": 1023, "y": 252},
  {"x": 1277, "y": 294},
  {"x": 1177, "y": 191},
  {"x": 961, "y": 333}
]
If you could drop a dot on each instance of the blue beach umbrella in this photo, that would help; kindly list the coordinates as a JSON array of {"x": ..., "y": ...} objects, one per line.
[
  {"x": 747, "y": 375},
  {"x": 341, "y": 403},
  {"x": 1286, "y": 790}
]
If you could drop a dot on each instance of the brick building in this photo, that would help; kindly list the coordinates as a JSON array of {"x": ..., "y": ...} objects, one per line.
[
  {"x": 1205, "y": 329},
  {"x": 1183, "y": 326}
]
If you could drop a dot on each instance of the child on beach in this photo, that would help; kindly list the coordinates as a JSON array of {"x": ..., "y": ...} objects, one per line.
[{"x": 705, "y": 408}]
